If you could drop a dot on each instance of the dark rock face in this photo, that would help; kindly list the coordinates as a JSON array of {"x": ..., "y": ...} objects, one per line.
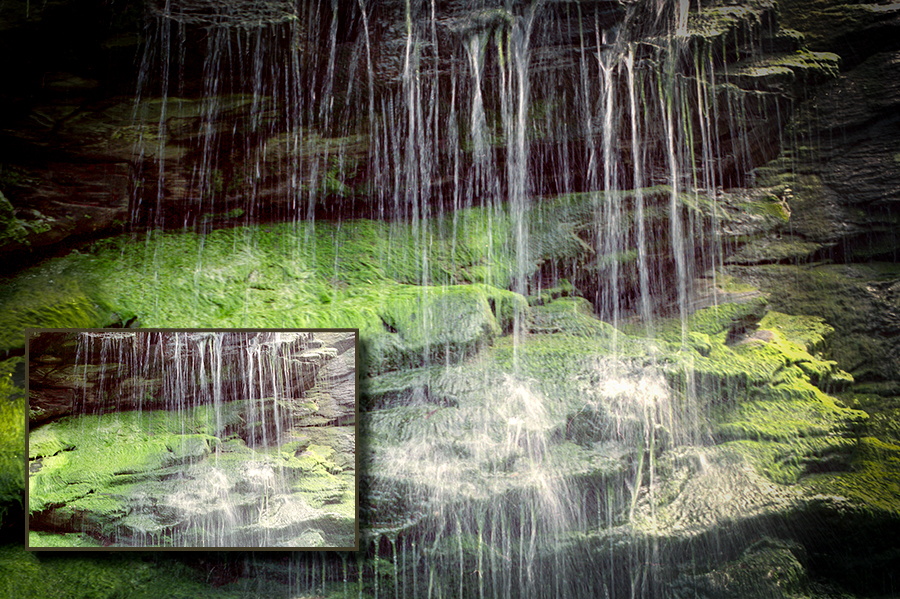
[
  {"x": 843, "y": 179},
  {"x": 62, "y": 163},
  {"x": 341, "y": 374},
  {"x": 854, "y": 30},
  {"x": 839, "y": 184},
  {"x": 856, "y": 146}
]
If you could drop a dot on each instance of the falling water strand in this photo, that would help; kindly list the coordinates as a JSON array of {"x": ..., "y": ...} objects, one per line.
[
  {"x": 514, "y": 105},
  {"x": 610, "y": 219},
  {"x": 178, "y": 389},
  {"x": 638, "y": 185},
  {"x": 668, "y": 96}
]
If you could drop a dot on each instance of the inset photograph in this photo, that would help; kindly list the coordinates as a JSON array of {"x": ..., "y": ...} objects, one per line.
[{"x": 162, "y": 439}]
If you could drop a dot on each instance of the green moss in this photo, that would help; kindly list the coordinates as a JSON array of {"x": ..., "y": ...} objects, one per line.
[
  {"x": 314, "y": 459},
  {"x": 558, "y": 364},
  {"x": 715, "y": 22},
  {"x": 11, "y": 229},
  {"x": 43, "y": 539},
  {"x": 45, "y": 442},
  {"x": 761, "y": 387},
  {"x": 729, "y": 317},
  {"x": 422, "y": 324},
  {"x": 563, "y": 289},
  {"x": 785, "y": 411},
  {"x": 79, "y": 461},
  {"x": 58, "y": 294},
  {"x": 730, "y": 284},
  {"x": 363, "y": 274},
  {"x": 190, "y": 447},
  {"x": 13, "y": 431},
  {"x": 507, "y": 306},
  {"x": 884, "y": 414},
  {"x": 873, "y": 481},
  {"x": 91, "y": 470},
  {"x": 796, "y": 337},
  {"x": 572, "y": 315},
  {"x": 785, "y": 426},
  {"x": 252, "y": 276},
  {"x": 767, "y": 568},
  {"x": 396, "y": 387},
  {"x": 30, "y": 575},
  {"x": 767, "y": 250},
  {"x": 26, "y": 575},
  {"x": 109, "y": 449},
  {"x": 809, "y": 332},
  {"x": 851, "y": 298},
  {"x": 801, "y": 65},
  {"x": 773, "y": 207},
  {"x": 733, "y": 316},
  {"x": 784, "y": 401}
]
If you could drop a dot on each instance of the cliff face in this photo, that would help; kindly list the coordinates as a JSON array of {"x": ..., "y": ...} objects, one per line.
[{"x": 538, "y": 217}]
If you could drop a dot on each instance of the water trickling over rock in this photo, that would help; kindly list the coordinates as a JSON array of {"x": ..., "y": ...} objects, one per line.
[{"x": 192, "y": 439}]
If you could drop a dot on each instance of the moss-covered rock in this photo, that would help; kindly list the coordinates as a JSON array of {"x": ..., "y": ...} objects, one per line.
[
  {"x": 716, "y": 21},
  {"x": 768, "y": 568},
  {"x": 359, "y": 274},
  {"x": 156, "y": 478},
  {"x": 571, "y": 315},
  {"x": 59, "y": 295},
  {"x": 854, "y": 299},
  {"x": 838, "y": 177},
  {"x": 69, "y": 575},
  {"x": 11, "y": 229},
  {"x": 13, "y": 437},
  {"x": 832, "y": 24},
  {"x": 432, "y": 324}
]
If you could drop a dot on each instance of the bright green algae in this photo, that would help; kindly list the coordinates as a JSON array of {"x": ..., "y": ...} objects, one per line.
[
  {"x": 82, "y": 458},
  {"x": 350, "y": 274},
  {"x": 89, "y": 467}
]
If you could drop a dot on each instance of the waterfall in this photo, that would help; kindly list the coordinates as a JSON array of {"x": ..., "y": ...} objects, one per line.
[
  {"x": 516, "y": 203},
  {"x": 449, "y": 121},
  {"x": 201, "y": 438},
  {"x": 334, "y": 131}
]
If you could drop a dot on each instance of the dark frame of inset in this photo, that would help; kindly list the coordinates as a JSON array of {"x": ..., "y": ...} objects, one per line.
[{"x": 193, "y": 439}]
